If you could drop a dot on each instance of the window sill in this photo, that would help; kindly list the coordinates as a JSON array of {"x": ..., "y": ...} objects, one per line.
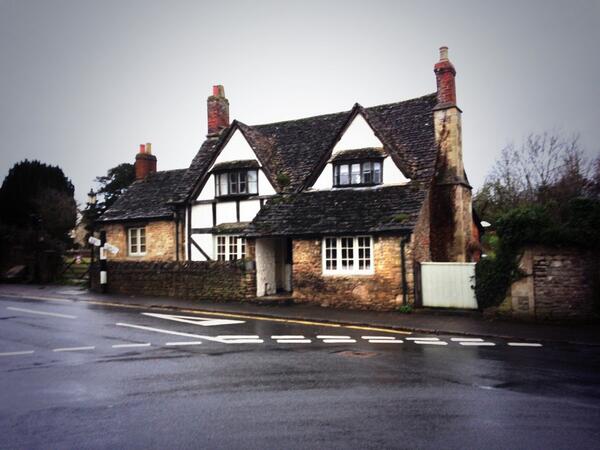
[
  {"x": 235, "y": 196},
  {"x": 356, "y": 185},
  {"x": 362, "y": 273}
]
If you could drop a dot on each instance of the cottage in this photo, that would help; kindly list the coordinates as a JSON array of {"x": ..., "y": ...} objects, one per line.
[{"x": 337, "y": 209}]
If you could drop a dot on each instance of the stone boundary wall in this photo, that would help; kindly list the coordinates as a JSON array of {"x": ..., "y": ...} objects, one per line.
[
  {"x": 559, "y": 284},
  {"x": 192, "y": 280}
]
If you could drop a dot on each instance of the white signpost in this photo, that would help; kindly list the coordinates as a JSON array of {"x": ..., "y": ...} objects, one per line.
[{"x": 104, "y": 247}]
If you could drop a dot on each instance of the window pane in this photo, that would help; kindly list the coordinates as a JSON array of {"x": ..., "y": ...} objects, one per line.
[
  {"x": 364, "y": 253},
  {"x": 377, "y": 172},
  {"x": 336, "y": 175},
  {"x": 232, "y": 248},
  {"x": 221, "y": 248},
  {"x": 355, "y": 176},
  {"x": 242, "y": 247},
  {"x": 330, "y": 254},
  {"x": 367, "y": 174},
  {"x": 344, "y": 174},
  {"x": 233, "y": 183},
  {"x": 223, "y": 184},
  {"x": 132, "y": 240},
  {"x": 242, "y": 180},
  {"x": 347, "y": 259},
  {"x": 252, "y": 182}
]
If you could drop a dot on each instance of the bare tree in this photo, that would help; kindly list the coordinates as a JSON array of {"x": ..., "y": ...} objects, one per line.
[{"x": 544, "y": 167}]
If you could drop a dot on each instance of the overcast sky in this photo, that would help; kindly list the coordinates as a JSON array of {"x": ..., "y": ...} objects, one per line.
[{"x": 83, "y": 83}]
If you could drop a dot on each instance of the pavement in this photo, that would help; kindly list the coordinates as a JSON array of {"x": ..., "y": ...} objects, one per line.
[{"x": 465, "y": 323}]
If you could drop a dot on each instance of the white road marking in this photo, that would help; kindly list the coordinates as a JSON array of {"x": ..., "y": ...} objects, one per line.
[
  {"x": 431, "y": 342},
  {"x": 238, "y": 336},
  {"x": 327, "y": 336},
  {"x": 288, "y": 336},
  {"x": 42, "y": 313},
  {"x": 173, "y": 344},
  {"x": 466, "y": 340},
  {"x": 339, "y": 341},
  {"x": 478, "y": 344},
  {"x": 194, "y": 320},
  {"x": 176, "y": 333},
  {"x": 389, "y": 338},
  {"x": 72, "y": 349},
  {"x": 147, "y": 344},
  {"x": 243, "y": 341},
  {"x": 524, "y": 344},
  {"x": 26, "y": 352},
  {"x": 384, "y": 341},
  {"x": 294, "y": 341},
  {"x": 422, "y": 339}
]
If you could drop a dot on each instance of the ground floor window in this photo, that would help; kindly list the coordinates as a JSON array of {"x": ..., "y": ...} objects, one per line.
[
  {"x": 230, "y": 248},
  {"x": 348, "y": 254},
  {"x": 136, "y": 238}
]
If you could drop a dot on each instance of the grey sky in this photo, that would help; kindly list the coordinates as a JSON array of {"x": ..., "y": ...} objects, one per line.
[{"x": 83, "y": 83}]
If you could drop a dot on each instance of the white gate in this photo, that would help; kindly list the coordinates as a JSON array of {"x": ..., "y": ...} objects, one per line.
[{"x": 448, "y": 285}]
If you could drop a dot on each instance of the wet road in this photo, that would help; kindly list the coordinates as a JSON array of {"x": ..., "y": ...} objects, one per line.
[{"x": 75, "y": 375}]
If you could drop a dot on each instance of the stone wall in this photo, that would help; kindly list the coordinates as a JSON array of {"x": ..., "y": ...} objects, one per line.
[
  {"x": 194, "y": 280},
  {"x": 381, "y": 291},
  {"x": 160, "y": 241},
  {"x": 559, "y": 284}
]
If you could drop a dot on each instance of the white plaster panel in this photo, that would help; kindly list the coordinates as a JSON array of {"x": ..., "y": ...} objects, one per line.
[
  {"x": 264, "y": 185},
  {"x": 265, "y": 267},
  {"x": 325, "y": 180},
  {"x": 205, "y": 241},
  {"x": 358, "y": 135},
  {"x": 202, "y": 216},
  {"x": 208, "y": 190},
  {"x": 226, "y": 212},
  {"x": 236, "y": 149},
  {"x": 249, "y": 209},
  {"x": 391, "y": 173}
]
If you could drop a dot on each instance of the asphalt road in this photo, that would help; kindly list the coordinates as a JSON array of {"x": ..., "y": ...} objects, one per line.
[{"x": 77, "y": 376}]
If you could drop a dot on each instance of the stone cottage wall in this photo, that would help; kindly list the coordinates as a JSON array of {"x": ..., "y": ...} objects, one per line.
[
  {"x": 193, "y": 280},
  {"x": 559, "y": 283},
  {"x": 160, "y": 241},
  {"x": 380, "y": 291}
]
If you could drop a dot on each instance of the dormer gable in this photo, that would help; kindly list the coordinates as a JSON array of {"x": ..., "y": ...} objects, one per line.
[
  {"x": 359, "y": 158},
  {"x": 237, "y": 160},
  {"x": 358, "y": 134}
]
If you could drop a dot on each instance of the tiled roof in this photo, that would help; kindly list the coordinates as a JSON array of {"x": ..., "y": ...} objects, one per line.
[
  {"x": 297, "y": 148},
  {"x": 147, "y": 198},
  {"x": 239, "y": 164},
  {"x": 359, "y": 153},
  {"x": 339, "y": 211}
]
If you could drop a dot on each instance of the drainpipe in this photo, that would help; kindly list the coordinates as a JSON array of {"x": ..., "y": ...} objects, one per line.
[
  {"x": 176, "y": 217},
  {"x": 403, "y": 261}
]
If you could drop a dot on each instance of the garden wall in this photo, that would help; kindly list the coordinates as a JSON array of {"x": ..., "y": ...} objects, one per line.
[{"x": 193, "y": 280}]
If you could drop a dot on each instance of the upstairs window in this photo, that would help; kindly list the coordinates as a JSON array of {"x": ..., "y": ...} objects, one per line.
[
  {"x": 357, "y": 173},
  {"x": 236, "y": 182}
]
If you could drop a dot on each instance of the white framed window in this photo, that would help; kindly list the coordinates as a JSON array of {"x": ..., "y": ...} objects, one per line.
[
  {"x": 348, "y": 255},
  {"x": 365, "y": 173},
  {"x": 230, "y": 248},
  {"x": 136, "y": 238},
  {"x": 236, "y": 182}
]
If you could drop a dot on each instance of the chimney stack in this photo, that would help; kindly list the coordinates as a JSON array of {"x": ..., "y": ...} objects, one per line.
[
  {"x": 218, "y": 111},
  {"x": 145, "y": 162},
  {"x": 444, "y": 74}
]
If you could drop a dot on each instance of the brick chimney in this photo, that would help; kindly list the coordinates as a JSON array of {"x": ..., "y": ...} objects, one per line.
[
  {"x": 451, "y": 204},
  {"x": 445, "y": 74},
  {"x": 218, "y": 111},
  {"x": 145, "y": 162}
]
